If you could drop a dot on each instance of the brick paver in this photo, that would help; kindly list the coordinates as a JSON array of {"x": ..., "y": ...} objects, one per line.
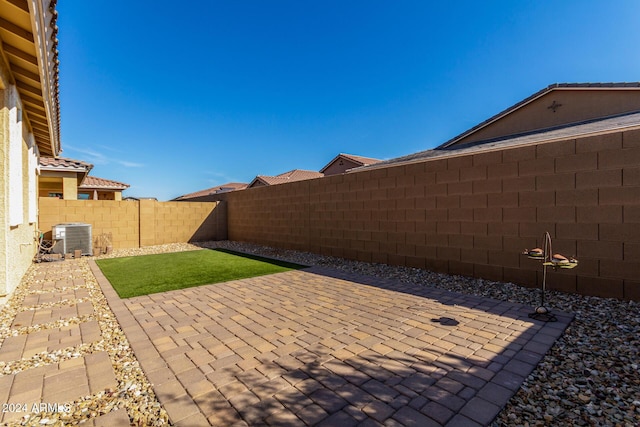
[
  {"x": 51, "y": 318},
  {"x": 52, "y": 357},
  {"x": 321, "y": 347}
]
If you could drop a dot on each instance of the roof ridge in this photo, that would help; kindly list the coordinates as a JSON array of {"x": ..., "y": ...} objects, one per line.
[
  {"x": 595, "y": 85},
  {"x": 97, "y": 182},
  {"x": 614, "y": 123},
  {"x": 212, "y": 190}
]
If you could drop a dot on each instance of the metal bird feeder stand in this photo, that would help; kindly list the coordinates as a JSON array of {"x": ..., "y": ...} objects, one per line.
[{"x": 555, "y": 261}]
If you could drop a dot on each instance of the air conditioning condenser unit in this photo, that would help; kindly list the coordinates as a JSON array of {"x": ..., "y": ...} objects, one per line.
[{"x": 72, "y": 236}]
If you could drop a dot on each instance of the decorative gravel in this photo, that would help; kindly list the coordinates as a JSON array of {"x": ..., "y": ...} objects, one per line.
[
  {"x": 133, "y": 393},
  {"x": 590, "y": 377}
]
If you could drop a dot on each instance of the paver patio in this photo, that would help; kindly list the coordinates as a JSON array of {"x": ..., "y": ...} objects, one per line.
[{"x": 322, "y": 347}]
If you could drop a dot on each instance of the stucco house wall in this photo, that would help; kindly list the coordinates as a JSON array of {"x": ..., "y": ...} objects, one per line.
[
  {"x": 65, "y": 183},
  {"x": 29, "y": 126},
  {"x": 339, "y": 167},
  {"x": 103, "y": 195},
  {"x": 557, "y": 106},
  {"x": 344, "y": 162},
  {"x": 17, "y": 233}
]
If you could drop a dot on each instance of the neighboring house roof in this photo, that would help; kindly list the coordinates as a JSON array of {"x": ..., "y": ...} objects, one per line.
[
  {"x": 130, "y": 198},
  {"x": 64, "y": 164},
  {"x": 231, "y": 186},
  {"x": 635, "y": 86},
  {"x": 622, "y": 122},
  {"x": 30, "y": 46},
  {"x": 95, "y": 183},
  {"x": 61, "y": 164},
  {"x": 290, "y": 176},
  {"x": 358, "y": 160}
]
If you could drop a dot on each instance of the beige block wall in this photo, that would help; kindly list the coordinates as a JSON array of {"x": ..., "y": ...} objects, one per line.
[
  {"x": 118, "y": 218},
  {"x": 471, "y": 215},
  {"x": 134, "y": 224},
  {"x": 168, "y": 222}
]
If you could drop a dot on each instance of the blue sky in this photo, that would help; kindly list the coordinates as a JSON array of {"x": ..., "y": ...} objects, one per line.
[{"x": 173, "y": 97}]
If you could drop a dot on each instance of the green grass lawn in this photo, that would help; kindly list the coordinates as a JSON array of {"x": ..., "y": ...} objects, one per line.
[{"x": 148, "y": 274}]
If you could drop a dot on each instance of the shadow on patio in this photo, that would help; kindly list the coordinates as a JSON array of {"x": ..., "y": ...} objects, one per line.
[{"x": 317, "y": 346}]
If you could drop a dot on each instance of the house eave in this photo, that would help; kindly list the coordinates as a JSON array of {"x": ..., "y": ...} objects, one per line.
[{"x": 28, "y": 30}]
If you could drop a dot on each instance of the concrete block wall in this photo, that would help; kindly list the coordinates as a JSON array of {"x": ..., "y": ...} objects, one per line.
[
  {"x": 170, "y": 222},
  {"x": 121, "y": 219},
  {"x": 138, "y": 223},
  {"x": 472, "y": 214}
]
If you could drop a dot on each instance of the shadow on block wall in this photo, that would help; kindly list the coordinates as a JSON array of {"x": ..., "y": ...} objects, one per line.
[{"x": 214, "y": 226}]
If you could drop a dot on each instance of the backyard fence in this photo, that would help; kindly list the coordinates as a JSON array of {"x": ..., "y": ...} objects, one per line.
[
  {"x": 471, "y": 214},
  {"x": 133, "y": 224}
]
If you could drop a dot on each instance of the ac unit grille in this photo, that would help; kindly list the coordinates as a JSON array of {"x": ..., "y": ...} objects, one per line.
[{"x": 72, "y": 237}]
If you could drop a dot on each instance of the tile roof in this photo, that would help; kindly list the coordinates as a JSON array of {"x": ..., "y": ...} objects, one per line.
[
  {"x": 71, "y": 165},
  {"x": 629, "y": 85},
  {"x": 290, "y": 176},
  {"x": 231, "y": 186},
  {"x": 592, "y": 127},
  {"x": 95, "y": 183},
  {"x": 61, "y": 163},
  {"x": 360, "y": 160}
]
